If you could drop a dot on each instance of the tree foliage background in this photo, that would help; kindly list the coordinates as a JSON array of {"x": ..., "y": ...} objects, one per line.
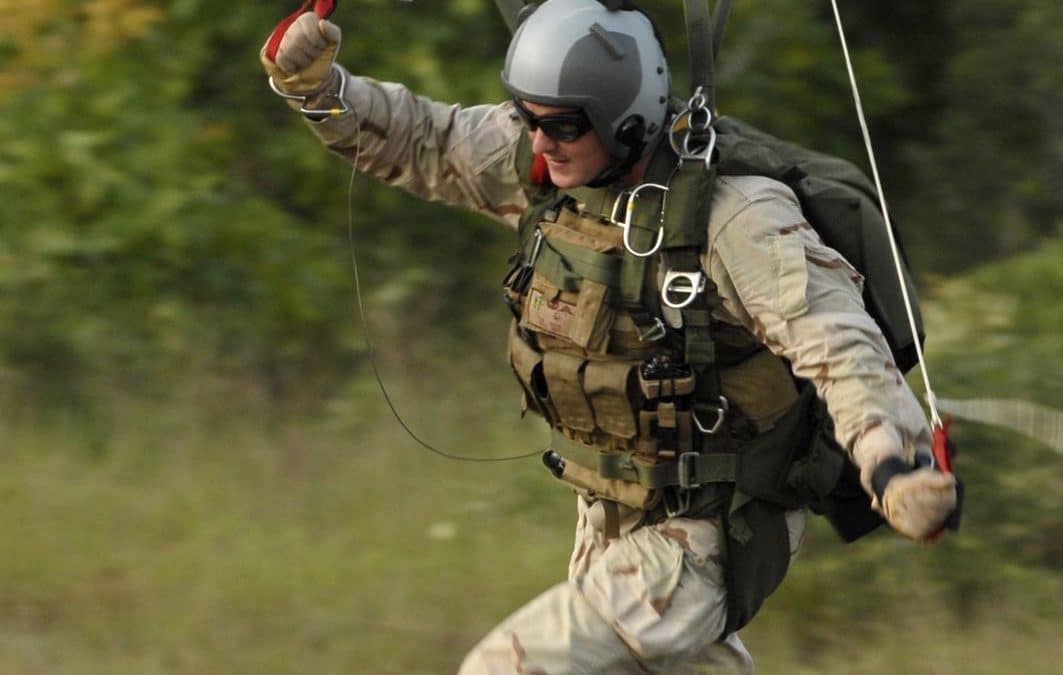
[{"x": 172, "y": 239}]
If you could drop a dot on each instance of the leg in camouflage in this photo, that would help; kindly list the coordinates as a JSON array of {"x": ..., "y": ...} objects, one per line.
[{"x": 652, "y": 601}]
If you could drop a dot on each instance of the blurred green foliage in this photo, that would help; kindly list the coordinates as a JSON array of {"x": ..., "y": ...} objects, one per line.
[
  {"x": 177, "y": 298},
  {"x": 160, "y": 204}
]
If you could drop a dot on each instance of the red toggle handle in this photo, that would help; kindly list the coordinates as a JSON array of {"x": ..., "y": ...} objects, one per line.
[
  {"x": 940, "y": 449},
  {"x": 323, "y": 8},
  {"x": 941, "y": 445}
]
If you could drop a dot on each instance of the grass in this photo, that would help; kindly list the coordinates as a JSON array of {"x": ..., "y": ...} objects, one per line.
[{"x": 212, "y": 531}]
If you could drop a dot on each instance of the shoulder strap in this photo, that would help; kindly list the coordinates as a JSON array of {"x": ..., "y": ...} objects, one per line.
[
  {"x": 704, "y": 34},
  {"x": 699, "y": 44}
]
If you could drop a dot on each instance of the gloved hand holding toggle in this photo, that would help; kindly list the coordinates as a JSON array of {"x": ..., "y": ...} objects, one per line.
[
  {"x": 917, "y": 503},
  {"x": 303, "y": 60}
]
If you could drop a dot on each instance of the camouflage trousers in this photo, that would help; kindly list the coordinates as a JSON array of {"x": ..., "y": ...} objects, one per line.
[{"x": 652, "y": 601}]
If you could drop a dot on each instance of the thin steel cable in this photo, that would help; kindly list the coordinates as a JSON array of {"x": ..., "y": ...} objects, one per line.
[
  {"x": 368, "y": 338},
  {"x": 931, "y": 399}
]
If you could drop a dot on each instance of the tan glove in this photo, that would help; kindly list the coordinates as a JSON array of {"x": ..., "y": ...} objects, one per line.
[
  {"x": 305, "y": 55},
  {"x": 918, "y": 503}
]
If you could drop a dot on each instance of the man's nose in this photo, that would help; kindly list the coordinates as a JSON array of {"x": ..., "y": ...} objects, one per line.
[{"x": 541, "y": 142}]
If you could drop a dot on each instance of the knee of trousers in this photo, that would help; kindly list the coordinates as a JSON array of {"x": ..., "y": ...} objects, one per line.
[
  {"x": 662, "y": 589},
  {"x": 556, "y": 633}
]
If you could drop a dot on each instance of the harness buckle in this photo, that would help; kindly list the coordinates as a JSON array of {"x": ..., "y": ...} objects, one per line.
[
  {"x": 690, "y": 284},
  {"x": 687, "y": 470},
  {"x": 703, "y": 154},
  {"x": 721, "y": 415}
]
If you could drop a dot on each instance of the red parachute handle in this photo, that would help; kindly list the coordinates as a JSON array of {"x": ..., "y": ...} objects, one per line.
[
  {"x": 941, "y": 445},
  {"x": 943, "y": 460},
  {"x": 323, "y": 8}
]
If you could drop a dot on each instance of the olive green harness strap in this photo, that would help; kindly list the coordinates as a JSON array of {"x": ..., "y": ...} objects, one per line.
[
  {"x": 686, "y": 217},
  {"x": 566, "y": 264},
  {"x": 598, "y": 201},
  {"x": 704, "y": 35},
  {"x": 690, "y": 469},
  {"x": 687, "y": 209}
]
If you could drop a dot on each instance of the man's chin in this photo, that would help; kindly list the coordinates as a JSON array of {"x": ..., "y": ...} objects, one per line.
[{"x": 564, "y": 179}]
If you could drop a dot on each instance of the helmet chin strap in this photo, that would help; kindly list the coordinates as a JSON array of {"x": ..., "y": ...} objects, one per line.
[{"x": 618, "y": 170}]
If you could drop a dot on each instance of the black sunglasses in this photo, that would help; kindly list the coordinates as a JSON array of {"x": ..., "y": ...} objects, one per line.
[{"x": 564, "y": 127}]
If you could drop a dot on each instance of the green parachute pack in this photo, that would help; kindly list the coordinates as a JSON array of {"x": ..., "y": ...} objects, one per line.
[{"x": 840, "y": 203}]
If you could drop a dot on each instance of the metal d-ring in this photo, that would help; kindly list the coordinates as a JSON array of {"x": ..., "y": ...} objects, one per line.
[
  {"x": 690, "y": 284},
  {"x": 721, "y": 414},
  {"x": 631, "y": 211},
  {"x": 699, "y": 100}
]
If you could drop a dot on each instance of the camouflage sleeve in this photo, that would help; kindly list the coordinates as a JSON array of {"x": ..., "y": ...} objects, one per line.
[
  {"x": 803, "y": 300},
  {"x": 459, "y": 156}
]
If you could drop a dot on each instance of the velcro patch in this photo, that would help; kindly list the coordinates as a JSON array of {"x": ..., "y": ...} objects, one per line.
[{"x": 553, "y": 316}]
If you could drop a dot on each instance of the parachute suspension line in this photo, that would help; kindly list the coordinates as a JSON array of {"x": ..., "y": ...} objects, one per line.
[
  {"x": 931, "y": 399},
  {"x": 363, "y": 315}
]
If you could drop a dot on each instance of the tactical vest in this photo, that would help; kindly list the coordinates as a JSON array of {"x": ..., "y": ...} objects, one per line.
[{"x": 699, "y": 421}]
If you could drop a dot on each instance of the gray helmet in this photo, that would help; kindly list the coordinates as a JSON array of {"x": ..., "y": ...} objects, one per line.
[{"x": 577, "y": 53}]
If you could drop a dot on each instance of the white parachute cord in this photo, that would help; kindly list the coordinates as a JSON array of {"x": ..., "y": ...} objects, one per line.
[{"x": 931, "y": 399}]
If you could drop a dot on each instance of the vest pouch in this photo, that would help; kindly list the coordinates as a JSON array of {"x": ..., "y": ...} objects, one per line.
[
  {"x": 815, "y": 474},
  {"x": 764, "y": 463},
  {"x": 611, "y": 389},
  {"x": 762, "y": 388},
  {"x": 590, "y": 483},
  {"x": 564, "y": 380},
  {"x": 527, "y": 364},
  {"x": 845, "y": 504},
  {"x": 582, "y": 318}
]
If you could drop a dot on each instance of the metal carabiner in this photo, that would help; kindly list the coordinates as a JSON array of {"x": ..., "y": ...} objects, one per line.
[
  {"x": 536, "y": 247},
  {"x": 695, "y": 120},
  {"x": 631, "y": 211},
  {"x": 313, "y": 114},
  {"x": 616, "y": 208},
  {"x": 680, "y": 123}
]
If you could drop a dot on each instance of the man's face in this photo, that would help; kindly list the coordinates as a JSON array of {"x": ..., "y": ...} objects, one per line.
[{"x": 571, "y": 163}]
